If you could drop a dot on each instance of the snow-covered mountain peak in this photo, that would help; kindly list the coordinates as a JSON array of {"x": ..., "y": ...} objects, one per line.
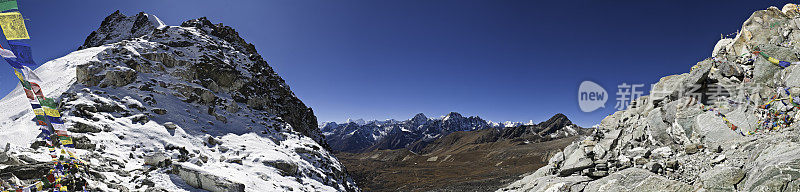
[
  {"x": 195, "y": 94},
  {"x": 357, "y": 121}
]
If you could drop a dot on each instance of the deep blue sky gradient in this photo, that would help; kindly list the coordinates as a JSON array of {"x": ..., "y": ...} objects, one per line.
[{"x": 500, "y": 60}]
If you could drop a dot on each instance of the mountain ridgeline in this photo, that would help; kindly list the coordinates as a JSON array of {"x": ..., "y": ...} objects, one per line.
[{"x": 416, "y": 133}]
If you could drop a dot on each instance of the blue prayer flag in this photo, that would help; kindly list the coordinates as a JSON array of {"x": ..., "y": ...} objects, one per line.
[{"x": 22, "y": 51}]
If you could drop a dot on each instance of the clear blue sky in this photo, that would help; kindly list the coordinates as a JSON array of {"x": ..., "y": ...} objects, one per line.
[{"x": 501, "y": 60}]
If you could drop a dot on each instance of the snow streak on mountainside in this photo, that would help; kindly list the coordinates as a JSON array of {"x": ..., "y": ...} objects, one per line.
[
  {"x": 748, "y": 139},
  {"x": 175, "y": 108},
  {"x": 415, "y": 133}
]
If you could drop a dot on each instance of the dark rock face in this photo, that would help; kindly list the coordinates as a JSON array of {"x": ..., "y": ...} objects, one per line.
[
  {"x": 117, "y": 27},
  {"x": 224, "y": 32},
  {"x": 28, "y": 171}
]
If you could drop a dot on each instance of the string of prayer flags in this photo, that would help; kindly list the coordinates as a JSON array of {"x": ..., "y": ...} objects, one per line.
[
  {"x": 772, "y": 60},
  {"x": 13, "y": 26},
  {"x": 48, "y": 118}
]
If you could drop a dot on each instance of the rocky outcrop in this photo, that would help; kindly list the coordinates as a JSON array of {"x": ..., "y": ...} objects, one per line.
[
  {"x": 701, "y": 130},
  {"x": 635, "y": 179},
  {"x": 203, "y": 180},
  {"x": 117, "y": 27}
]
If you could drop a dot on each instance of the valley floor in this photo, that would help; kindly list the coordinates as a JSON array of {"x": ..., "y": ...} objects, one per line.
[{"x": 468, "y": 167}]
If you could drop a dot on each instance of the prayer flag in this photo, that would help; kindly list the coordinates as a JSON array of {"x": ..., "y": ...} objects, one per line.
[
  {"x": 6, "y": 5},
  {"x": 22, "y": 51},
  {"x": 13, "y": 26}
]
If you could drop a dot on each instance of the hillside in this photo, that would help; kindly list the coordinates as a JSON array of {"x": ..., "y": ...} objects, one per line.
[
  {"x": 173, "y": 108},
  {"x": 740, "y": 134}
]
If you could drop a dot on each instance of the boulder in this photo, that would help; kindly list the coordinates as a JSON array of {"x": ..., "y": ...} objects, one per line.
[
  {"x": 691, "y": 148},
  {"x": 714, "y": 128},
  {"x": 721, "y": 178},
  {"x": 743, "y": 118},
  {"x": 774, "y": 168},
  {"x": 159, "y": 111},
  {"x": 79, "y": 127},
  {"x": 730, "y": 69},
  {"x": 87, "y": 73},
  {"x": 793, "y": 76},
  {"x": 548, "y": 183},
  {"x": 26, "y": 171},
  {"x": 170, "y": 125},
  {"x": 698, "y": 75},
  {"x": 657, "y": 128},
  {"x": 667, "y": 87},
  {"x": 635, "y": 179},
  {"x": 575, "y": 161},
  {"x": 118, "y": 76},
  {"x": 653, "y": 167},
  {"x": 203, "y": 180},
  {"x": 286, "y": 168},
  {"x": 156, "y": 159}
]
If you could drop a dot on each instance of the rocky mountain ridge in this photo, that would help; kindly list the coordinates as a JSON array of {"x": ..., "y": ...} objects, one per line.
[
  {"x": 174, "y": 108},
  {"x": 745, "y": 139},
  {"x": 417, "y": 132}
]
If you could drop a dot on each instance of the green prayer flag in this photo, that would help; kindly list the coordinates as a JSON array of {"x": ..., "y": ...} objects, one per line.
[
  {"x": 48, "y": 102},
  {"x": 26, "y": 84},
  {"x": 6, "y": 5}
]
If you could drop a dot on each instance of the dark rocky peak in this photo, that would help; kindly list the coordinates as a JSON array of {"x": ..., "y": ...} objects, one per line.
[
  {"x": 419, "y": 118},
  {"x": 117, "y": 27},
  {"x": 453, "y": 116},
  {"x": 557, "y": 121},
  {"x": 224, "y": 32}
]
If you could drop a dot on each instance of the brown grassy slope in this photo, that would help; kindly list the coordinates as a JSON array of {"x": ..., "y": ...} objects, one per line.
[{"x": 461, "y": 161}]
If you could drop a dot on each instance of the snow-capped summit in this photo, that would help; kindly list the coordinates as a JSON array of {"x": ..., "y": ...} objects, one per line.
[
  {"x": 357, "y": 121},
  {"x": 176, "y": 108}
]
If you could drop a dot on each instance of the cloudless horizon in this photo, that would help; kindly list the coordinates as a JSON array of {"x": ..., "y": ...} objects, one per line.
[{"x": 500, "y": 60}]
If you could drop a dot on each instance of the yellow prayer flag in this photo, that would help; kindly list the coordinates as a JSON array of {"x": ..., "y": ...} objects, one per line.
[
  {"x": 13, "y": 26},
  {"x": 51, "y": 112},
  {"x": 66, "y": 142},
  {"x": 19, "y": 75},
  {"x": 773, "y": 60},
  {"x": 38, "y": 111}
]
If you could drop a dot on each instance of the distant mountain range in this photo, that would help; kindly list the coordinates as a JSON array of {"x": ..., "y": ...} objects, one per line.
[
  {"x": 454, "y": 153},
  {"x": 356, "y": 136}
]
